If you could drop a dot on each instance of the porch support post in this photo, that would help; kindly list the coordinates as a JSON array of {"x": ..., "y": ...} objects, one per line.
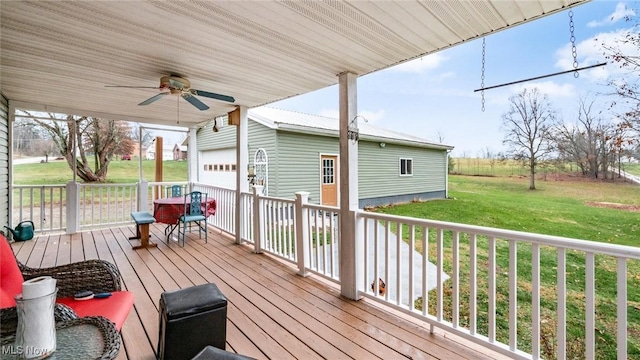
[
  {"x": 242, "y": 169},
  {"x": 73, "y": 207},
  {"x": 192, "y": 157},
  {"x": 351, "y": 243},
  {"x": 302, "y": 232},
  {"x": 143, "y": 195}
]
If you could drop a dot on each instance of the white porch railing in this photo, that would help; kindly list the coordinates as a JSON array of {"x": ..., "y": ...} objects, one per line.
[
  {"x": 473, "y": 255},
  {"x": 225, "y": 218},
  {"x": 106, "y": 204},
  {"x": 45, "y": 205}
]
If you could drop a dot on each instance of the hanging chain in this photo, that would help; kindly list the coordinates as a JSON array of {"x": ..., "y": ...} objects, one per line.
[
  {"x": 482, "y": 76},
  {"x": 574, "y": 52}
]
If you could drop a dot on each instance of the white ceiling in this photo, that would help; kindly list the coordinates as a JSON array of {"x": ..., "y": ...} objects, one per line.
[{"x": 58, "y": 56}]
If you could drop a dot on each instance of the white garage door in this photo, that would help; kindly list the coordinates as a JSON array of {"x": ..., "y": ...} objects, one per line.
[{"x": 218, "y": 168}]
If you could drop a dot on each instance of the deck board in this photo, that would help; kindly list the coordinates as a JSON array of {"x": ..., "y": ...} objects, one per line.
[{"x": 272, "y": 312}]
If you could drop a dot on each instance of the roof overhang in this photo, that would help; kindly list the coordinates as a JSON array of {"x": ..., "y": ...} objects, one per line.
[{"x": 58, "y": 56}]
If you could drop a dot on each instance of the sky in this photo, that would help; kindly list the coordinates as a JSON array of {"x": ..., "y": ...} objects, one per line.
[{"x": 433, "y": 97}]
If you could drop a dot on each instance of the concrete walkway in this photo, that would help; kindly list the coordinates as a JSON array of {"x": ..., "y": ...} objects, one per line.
[{"x": 394, "y": 257}]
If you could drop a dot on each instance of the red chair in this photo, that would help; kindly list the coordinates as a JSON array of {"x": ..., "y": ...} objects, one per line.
[{"x": 98, "y": 276}]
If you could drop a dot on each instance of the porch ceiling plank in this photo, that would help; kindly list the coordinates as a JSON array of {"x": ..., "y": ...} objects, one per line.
[{"x": 62, "y": 54}]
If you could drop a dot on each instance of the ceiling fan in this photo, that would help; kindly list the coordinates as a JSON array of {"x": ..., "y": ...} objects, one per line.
[{"x": 179, "y": 86}]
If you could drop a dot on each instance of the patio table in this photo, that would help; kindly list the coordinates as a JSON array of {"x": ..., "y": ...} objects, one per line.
[
  {"x": 168, "y": 210},
  {"x": 91, "y": 337}
]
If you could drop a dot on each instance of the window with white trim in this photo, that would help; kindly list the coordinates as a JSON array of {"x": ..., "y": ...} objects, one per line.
[
  {"x": 406, "y": 167},
  {"x": 261, "y": 164}
]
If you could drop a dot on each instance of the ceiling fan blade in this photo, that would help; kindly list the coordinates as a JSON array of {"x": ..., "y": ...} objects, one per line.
[
  {"x": 212, "y": 95},
  {"x": 132, "y": 87},
  {"x": 194, "y": 101},
  {"x": 154, "y": 98}
]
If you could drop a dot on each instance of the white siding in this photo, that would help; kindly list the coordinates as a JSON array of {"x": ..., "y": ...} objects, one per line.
[{"x": 4, "y": 161}]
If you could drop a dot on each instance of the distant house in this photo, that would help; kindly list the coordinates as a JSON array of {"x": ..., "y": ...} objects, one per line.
[
  {"x": 167, "y": 152},
  {"x": 179, "y": 152},
  {"x": 290, "y": 151}
]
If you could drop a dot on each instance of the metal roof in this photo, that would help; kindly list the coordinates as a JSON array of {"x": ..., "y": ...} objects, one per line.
[
  {"x": 321, "y": 125},
  {"x": 58, "y": 56}
]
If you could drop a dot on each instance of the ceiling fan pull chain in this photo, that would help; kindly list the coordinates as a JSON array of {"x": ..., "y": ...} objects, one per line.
[{"x": 178, "y": 98}]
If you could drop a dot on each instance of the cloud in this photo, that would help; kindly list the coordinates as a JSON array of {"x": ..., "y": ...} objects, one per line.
[
  {"x": 421, "y": 65},
  {"x": 621, "y": 12},
  {"x": 371, "y": 116},
  {"x": 550, "y": 88},
  {"x": 591, "y": 51}
]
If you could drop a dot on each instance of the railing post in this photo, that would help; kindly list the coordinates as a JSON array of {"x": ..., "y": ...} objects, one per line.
[
  {"x": 258, "y": 217},
  {"x": 143, "y": 195},
  {"x": 302, "y": 233},
  {"x": 73, "y": 207}
]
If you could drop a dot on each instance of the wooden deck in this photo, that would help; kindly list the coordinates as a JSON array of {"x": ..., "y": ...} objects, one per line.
[{"x": 272, "y": 312}]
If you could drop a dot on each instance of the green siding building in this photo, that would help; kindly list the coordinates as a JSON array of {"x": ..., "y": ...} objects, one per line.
[{"x": 290, "y": 152}]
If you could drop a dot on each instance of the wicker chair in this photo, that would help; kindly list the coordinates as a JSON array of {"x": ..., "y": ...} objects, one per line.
[{"x": 98, "y": 276}]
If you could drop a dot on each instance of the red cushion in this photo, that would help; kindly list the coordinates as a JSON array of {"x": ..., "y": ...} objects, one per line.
[
  {"x": 10, "y": 276},
  {"x": 115, "y": 308}
]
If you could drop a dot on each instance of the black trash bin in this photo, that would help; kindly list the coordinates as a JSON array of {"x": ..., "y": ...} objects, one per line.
[{"x": 191, "y": 319}]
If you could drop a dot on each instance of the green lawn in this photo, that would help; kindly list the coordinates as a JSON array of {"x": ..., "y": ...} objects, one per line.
[
  {"x": 557, "y": 208},
  {"x": 631, "y": 168},
  {"x": 120, "y": 171}
]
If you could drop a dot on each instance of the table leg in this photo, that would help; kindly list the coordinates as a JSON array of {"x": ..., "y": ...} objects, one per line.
[
  {"x": 168, "y": 231},
  {"x": 142, "y": 233}
]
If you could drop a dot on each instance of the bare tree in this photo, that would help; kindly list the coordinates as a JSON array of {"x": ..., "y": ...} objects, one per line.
[
  {"x": 147, "y": 137},
  {"x": 595, "y": 145},
  {"x": 625, "y": 52},
  {"x": 96, "y": 141},
  {"x": 582, "y": 142},
  {"x": 527, "y": 125}
]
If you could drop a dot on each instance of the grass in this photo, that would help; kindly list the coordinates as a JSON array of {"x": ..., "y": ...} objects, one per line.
[
  {"x": 631, "y": 168},
  {"x": 493, "y": 167},
  {"x": 557, "y": 208},
  {"x": 120, "y": 171}
]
